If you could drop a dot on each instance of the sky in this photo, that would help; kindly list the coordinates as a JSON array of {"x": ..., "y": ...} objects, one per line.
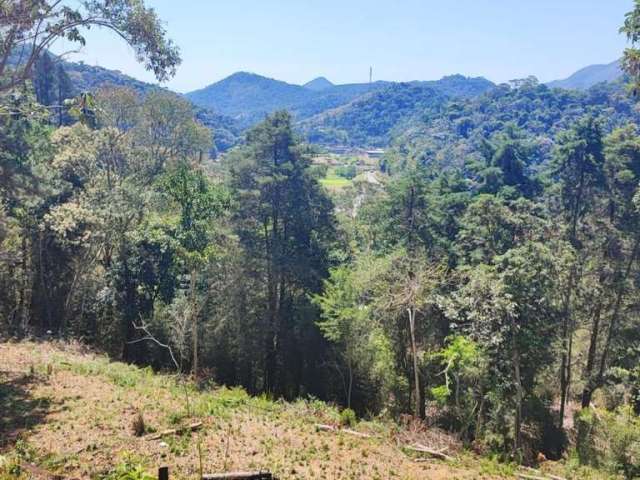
[{"x": 298, "y": 40}]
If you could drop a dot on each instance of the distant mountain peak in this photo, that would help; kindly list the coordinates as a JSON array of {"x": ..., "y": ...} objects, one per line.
[
  {"x": 587, "y": 77},
  {"x": 318, "y": 84}
]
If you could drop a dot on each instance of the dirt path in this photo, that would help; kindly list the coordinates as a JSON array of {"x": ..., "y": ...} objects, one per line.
[{"x": 72, "y": 413}]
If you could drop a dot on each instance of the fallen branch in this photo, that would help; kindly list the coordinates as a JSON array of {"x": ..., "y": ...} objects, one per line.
[
  {"x": 176, "y": 431},
  {"x": 439, "y": 454},
  {"x": 523, "y": 476},
  {"x": 238, "y": 476},
  {"x": 331, "y": 428}
]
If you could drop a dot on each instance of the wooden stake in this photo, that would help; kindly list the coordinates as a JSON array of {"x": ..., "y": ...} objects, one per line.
[{"x": 239, "y": 476}]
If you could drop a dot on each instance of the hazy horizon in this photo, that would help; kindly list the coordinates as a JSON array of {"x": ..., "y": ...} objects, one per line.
[{"x": 416, "y": 40}]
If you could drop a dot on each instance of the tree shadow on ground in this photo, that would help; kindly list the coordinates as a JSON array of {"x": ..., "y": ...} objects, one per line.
[{"x": 19, "y": 409}]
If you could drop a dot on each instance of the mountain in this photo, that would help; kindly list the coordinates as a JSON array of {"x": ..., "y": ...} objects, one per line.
[
  {"x": 587, "y": 77},
  {"x": 362, "y": 114},
  {"x": 248, "y": 97},
  {"x": 334, "y": 97},
  {"x": 318, "y": 84},
  {"x": 371, "y": 119}
]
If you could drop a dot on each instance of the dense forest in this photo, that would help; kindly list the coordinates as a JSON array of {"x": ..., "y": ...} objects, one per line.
[{"x": 489, "y": 283}]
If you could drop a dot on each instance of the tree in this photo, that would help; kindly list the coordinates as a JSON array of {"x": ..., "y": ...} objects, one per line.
[
  {"x": 168, "y": 131},
  {"x": 30, "y": 27},
  {"x": 510, "y": 310},
  {"x": 345, "y": 322},
  {"x": 579, "y": 161},
  {"x": 284, "y": 221},
  {"x": 409, "y": 286},
  {"x": 200, "y": 203},
  {"x": 44, "y": 80},
  {"x": 617, "y": 224},
  {"x": 65, "y": 91},
  {"x": 631, "y": 56},
  {"x": 465, "y": 374}
]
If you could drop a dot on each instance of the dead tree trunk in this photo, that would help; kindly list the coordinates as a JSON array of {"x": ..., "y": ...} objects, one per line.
[{"x": 414, "y": 352}]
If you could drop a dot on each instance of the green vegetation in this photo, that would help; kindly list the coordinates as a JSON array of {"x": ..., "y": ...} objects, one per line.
[
  {"x": 371, "y": 120},
  {"x": 488, "y": 284},
  {"x": 248, "y": 97},
  {"x": 333, "y": 179}
]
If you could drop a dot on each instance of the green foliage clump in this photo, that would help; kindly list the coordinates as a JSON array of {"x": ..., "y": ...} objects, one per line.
[
  {"x": 346, "y": 171},
  {"x": 128, "y": 470},
  {"x": 348, "y": 418}
]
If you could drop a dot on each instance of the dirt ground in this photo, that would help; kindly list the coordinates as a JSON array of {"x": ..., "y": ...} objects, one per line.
[{"x": 70, "y": 412}]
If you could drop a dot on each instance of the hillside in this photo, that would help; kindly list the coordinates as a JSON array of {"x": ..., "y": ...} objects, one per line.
[
  {"x": 88, "y": 78},
  {"x": 330, "y": 114},
  {"x": 371, "y": 119},
  {"x": 534, "y": 114},
  {"x": 248, "y": 97},
  {"x": 70, "y": 412},
  {"x": 587, "y": 77}
]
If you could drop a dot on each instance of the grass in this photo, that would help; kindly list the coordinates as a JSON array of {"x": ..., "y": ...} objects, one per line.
[{"x": 332, "y": 181}]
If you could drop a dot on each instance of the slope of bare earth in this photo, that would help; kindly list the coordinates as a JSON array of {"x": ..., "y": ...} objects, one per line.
[{"x": 70, "y": 412}]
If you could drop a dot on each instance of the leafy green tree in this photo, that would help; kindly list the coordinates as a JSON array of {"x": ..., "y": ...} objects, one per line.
[
  {"x": 285, "y": 222},
  {"x": 30, "y": 28},
  {"x": 631, "y": 57},
  {"x": 200, "y": 203},
  {"x": 409, "y": 287},
  {"x": 45, "y": 80},
  {"x": 465, "y": 382},
  {"x": 169, "y": 132},
  {"x": 579, "y": 161},
  {"x": 510, "y": 309},
  {"x": 618, "y": 228}
]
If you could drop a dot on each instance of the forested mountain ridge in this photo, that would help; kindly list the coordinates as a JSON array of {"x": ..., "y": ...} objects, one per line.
[
  {"x": 87, "y": 78},
  {"x": 248, "y": 97},
  {"x": 371, "y": 119},
  {"x": 534, "y": 114}
]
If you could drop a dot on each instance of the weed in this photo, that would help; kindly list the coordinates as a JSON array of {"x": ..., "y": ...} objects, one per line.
[
  {"x": 128, "y": 470},
  {"x": 348, "y": 418}
]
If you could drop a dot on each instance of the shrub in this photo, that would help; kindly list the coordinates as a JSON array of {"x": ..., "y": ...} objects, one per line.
[
  {"x": 348, "y": 418},
  {"x": 347, "y": 171},
  {"x": 129, "y": 470}
]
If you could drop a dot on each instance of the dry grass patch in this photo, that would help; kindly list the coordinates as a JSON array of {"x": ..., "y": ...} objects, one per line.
[{"x": 81, "y": 417}]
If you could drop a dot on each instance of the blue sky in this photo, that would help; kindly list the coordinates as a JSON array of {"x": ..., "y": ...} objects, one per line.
[{"x": 297, "y": 40}]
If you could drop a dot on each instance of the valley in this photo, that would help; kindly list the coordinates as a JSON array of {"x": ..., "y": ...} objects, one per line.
[{"x": 302, "y": 275}]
